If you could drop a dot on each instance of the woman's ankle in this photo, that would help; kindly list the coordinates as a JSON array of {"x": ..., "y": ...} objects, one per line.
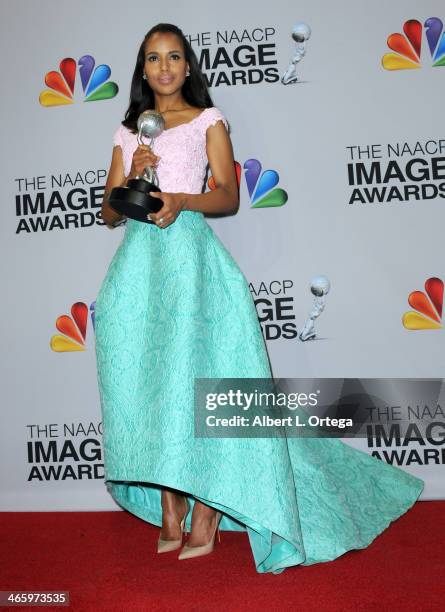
[
  {"x": 203, "y": 512},
  {"x": 172, "y": 502}
]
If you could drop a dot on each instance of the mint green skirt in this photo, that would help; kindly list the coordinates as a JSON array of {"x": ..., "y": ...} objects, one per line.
[{"x": 173, "y": 306}]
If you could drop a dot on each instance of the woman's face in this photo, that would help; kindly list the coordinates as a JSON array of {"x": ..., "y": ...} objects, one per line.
[{"x": 165, "y": 65}]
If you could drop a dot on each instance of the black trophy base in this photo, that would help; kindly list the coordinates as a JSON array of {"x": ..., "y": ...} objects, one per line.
[{"x": 134, "y": 200}]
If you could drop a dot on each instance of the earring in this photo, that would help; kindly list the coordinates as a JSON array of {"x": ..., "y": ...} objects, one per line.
[
  {"x": 187, "y": 73},
  {"x": 144, "y": 76}
]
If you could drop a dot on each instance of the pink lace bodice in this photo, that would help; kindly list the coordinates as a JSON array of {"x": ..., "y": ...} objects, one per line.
[{"x": 182, "y": 149}]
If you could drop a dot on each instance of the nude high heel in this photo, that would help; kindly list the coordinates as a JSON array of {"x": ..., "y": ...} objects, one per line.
[
  {"x": 188, "y": 552},
  {"x": 168, "y": 545}
]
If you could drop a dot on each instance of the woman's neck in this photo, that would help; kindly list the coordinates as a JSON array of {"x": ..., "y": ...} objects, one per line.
[{"x": 163, "y": 104}]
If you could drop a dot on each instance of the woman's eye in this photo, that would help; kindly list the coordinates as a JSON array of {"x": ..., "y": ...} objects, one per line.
[{"x": 153, "y": 58}]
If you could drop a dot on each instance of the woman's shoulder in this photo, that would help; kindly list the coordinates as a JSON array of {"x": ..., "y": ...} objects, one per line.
[
  {"x": 123, "y": 135},
  {"x": 210, "y": 116}
]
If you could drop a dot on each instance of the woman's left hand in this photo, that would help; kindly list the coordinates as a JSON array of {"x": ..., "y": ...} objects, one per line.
[{"x": 173, "y": 203}]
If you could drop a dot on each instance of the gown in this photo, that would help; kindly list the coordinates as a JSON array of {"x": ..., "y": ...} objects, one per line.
[{"x": 174, "y": 305}]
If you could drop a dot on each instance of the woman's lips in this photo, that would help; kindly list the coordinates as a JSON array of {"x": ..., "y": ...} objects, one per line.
[{"x": 165, "y": 80}]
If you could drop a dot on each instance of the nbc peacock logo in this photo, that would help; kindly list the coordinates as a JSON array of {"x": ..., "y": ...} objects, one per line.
[
  {"x": 408, "y": 46},
  {"x": 427, "y": 306},
  {"x": 261, "y": 186},
  {"x": 73, "y": 328},
  {"x": 94, "y": 81}
]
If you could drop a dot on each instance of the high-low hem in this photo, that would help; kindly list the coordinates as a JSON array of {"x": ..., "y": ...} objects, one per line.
[{"x": 273, "y": 553}]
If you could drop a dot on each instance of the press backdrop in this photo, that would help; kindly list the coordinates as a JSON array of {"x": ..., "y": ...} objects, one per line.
[{"x": 357, "y": 146}]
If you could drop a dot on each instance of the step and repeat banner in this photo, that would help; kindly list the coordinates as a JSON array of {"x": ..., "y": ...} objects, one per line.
[{"x": 336, "y": 121}]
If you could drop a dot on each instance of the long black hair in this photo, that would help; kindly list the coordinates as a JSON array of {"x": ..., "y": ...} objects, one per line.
[{"x": 194, "y": 90}]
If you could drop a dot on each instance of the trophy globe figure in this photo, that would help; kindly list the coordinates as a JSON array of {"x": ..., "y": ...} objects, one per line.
[
  {"x": 135, "y": 201},
  {"x": 301, "y": 33},
  {"x": 320, "y": 286}
]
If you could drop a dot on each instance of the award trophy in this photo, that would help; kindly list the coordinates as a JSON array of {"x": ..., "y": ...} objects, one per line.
[
  {"x": 301, "y": 33},
  {"x": 320, "y": 286},
  {"x": 135, "y": 201}
]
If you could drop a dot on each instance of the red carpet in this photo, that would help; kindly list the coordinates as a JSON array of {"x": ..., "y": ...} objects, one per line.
[{"x": 108, "y": 561}]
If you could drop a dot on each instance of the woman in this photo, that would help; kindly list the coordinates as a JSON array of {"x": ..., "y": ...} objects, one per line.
[{"x": 174, "y": 306}]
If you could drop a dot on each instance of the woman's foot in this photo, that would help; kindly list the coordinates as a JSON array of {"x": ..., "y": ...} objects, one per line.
[
  {"x": 174, "y": 508},
  {"x": 203, "y": 524}
]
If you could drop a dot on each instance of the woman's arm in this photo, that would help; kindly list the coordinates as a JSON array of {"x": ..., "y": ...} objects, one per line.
[
  {"x": 225, "y": 198},
  {"x": 116, "y": 178}
]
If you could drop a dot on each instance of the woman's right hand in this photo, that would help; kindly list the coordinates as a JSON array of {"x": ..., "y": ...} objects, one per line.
[{"x": 142, "y": 157}]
